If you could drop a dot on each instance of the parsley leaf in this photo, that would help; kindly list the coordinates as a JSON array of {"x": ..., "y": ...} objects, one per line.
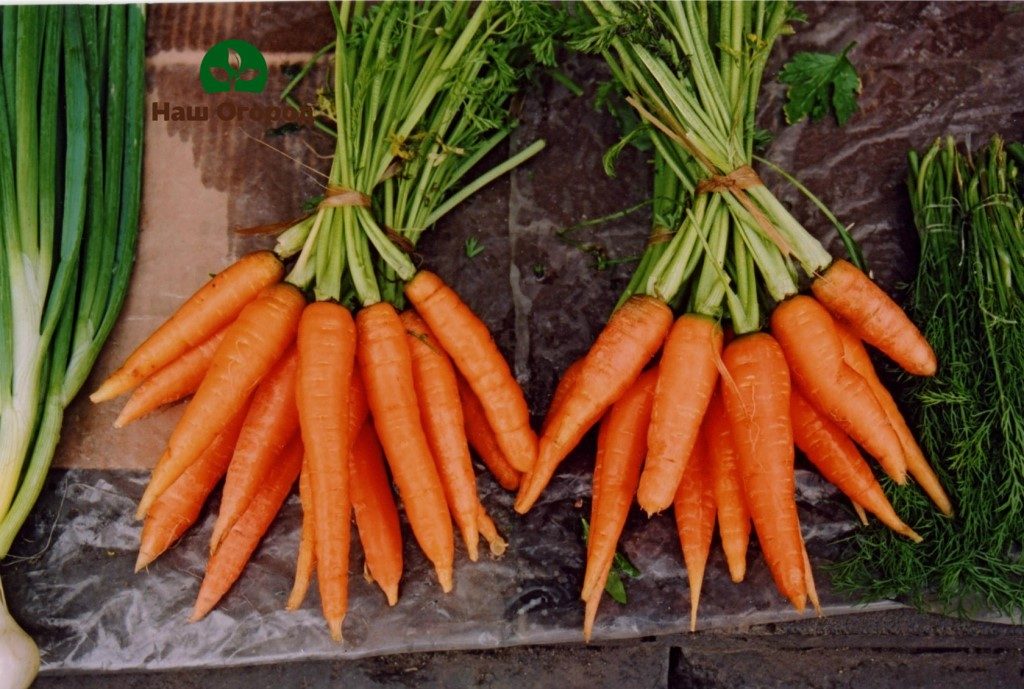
[
  {"x": 621, "y": 567},
  {"x": 817, "y": 81},
  {"x": 473, "y": 247}
]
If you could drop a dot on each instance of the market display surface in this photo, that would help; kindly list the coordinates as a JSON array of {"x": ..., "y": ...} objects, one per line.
[{"x": 543, "y": 299}]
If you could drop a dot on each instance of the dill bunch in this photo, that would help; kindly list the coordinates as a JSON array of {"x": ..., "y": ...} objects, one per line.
[{"x": 969, "y": 301}]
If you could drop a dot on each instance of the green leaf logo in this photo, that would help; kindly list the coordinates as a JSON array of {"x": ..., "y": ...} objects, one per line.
[{"x": 233, "y": 65}]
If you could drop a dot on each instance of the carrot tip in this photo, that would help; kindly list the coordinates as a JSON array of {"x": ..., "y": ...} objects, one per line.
[
  {"x": 799, "y": 601},
  {"x": 143, "y": 560},
  {"x": 912, "y": 535},
  {"x": 498, "y": 547},
  {"x": 335, "y": 627},
  {"x": 444, "y": 576},
  {"x": 391, "y": 592}
]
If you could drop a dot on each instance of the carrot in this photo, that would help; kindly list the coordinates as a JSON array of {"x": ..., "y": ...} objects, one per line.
[
  {"x": 437, "y": 391},
  {"x": 178, "y": 507},
  {"x": 562, "y": 391},
  {"x": 862, "y": 516},
  {"x": 386, "y": 366},
  {"x": 376, "y": 514},
  {"x": 306, "y": 560},
  {"x": 695, "y": 521},
  {"x": 756, "y": 396},
  {"x": 326, "y": 347},
  {"x": 173, "y": 382},
  {"x": 489, "y": 531},
  {"x": 271, "y": 422},
  {"x": 482, "y": 439},
  {"x": 814, "y": 351},
  {"x": 631, "y": 337},
  {"x": 917, "y": 464},
  {"x": 592, "y": 598},
  {"x": 621, "y": 445},
  {"x": 471, "y": 347},
  {"x": 214, "y": 305},
  {"x": 838, "y": 460},
  {"x": 689, "y": 371},
  {"x": 724, "y": 471},
  {"x": 358, "y": 407},
  {"x": 812, "y": 590},
  {"x": 251, "y": 346},
  {"x": 852, "y": 297},
  {"x": 305, "y": 563},
  {"x": 226, "y": 565}
]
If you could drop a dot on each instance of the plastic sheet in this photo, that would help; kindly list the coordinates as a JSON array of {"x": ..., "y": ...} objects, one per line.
[
  {"x": 928, "y": 69},
  {"x": 79, "y": 598}
]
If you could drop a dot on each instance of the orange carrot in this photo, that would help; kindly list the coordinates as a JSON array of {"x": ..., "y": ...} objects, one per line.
[
  {"x": 173, "y": 382},
  {"x": 812, "y": 590},
  {"x": 252, "y": 344},
  {"x": 482, "y": 439},
  {"x": 358, "y": 407},
  {"x": 386, "y": 366},
  {"x": 225, "y": 566},
  {"x": 471, "y": 347},
  {"x": 631, "y": 337},
  {"x": 724, "y": 470},
  {"x": 562, "y": 391},
  {"x": 695, "y": 521},
  {"x": 271, "y": 422},
  {"x": 814, "y": 351},
  {"x": 489, "y": 531},
  {"x": 326, "y": 346},
  {"x": 838, "y": 460},
  {"x": 305, "y": 563},
  {"x": 376, "y": 514},
  {"x": 214, "y": 305},
  {"x": 437, "y": 391},
  {"x": 756, "y": 396},
  {"x": 917, "y": 464},
  {"x": 689, "y": 371},
  {"x": 621, "y": 445},
  {"x": 179, "y": 506},
  {"x": 852, "y": 297}
]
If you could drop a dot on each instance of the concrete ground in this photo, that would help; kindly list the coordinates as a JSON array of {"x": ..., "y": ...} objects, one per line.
[{"x": 898, "y": 649}]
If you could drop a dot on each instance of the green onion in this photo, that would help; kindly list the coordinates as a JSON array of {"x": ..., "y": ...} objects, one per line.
[{"x": 70, "y": 206}]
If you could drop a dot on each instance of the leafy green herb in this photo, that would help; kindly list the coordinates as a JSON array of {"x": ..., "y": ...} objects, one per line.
[
  {"x": 621, "y": 567},
  {"x": 615, "y": 588},
  {"x": 818, "y": 82},
  {"x": 762, "y": 139},
  {"x": 473, "y": 247},
  {"x": 970, "y": 217}
]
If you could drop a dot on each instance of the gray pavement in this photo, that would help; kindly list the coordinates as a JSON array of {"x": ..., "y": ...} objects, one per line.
[{"x": 899, "y": 649}]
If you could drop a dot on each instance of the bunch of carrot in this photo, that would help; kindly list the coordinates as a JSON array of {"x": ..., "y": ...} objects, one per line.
[
  {"x": 321, "y": 393},
  {"x": 710, "y": 427}
]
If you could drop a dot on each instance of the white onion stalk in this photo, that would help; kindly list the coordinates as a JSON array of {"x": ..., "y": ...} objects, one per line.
[{"x": 19, "y": 655}]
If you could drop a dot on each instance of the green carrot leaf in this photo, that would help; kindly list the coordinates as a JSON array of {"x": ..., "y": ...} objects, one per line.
[{"x": 818, "y": 82}]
